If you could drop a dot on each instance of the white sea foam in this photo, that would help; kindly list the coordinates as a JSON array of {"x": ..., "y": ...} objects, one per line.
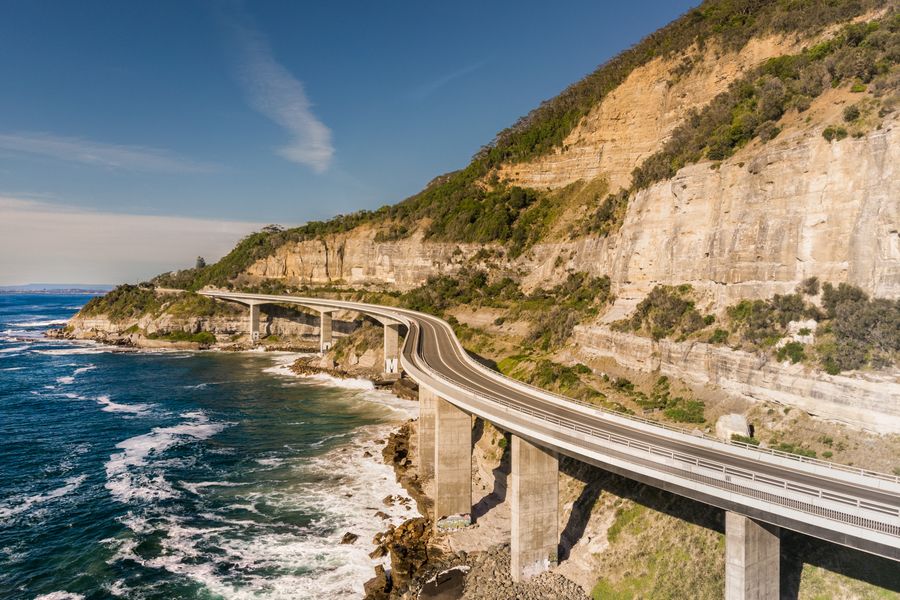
[
  {"x": 195, "y": 488},
  {"x": 81, "y": 350},
  {"x": 59, "y": 596},
  {"x": 13, "y": 369},
  {"x": 23, "y": 504},
  {"x": 13, "y": 349},
  {"x": 283, "y": 368},
  {"x": 84, "y": 369},
  {"x": 65, "y": 380},
  {"x": 348, "y": 383},
  {"x": 126, "y": 477},
  {"x": 110, "y": 406},
  {"x": 47, "y": 323},
  {"x": 262, "y": 556}
]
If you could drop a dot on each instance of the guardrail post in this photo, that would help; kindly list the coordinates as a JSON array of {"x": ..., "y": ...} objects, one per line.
[
  {"x": 752, "y": 559},
  {"x": 427, "y": 401},
  {"x": 534, "y": 504},
  {"x": 452, "y": 466},
  {"x": 325, "y": 332}
]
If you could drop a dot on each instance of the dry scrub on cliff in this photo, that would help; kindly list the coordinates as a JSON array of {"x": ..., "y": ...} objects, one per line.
[{"x": 835, "y": 328}]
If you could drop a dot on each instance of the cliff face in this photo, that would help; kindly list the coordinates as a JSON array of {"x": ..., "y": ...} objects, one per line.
[
  {"x": 752, "y": 226},
  {"x": 857, "y": 401},
  {"x": 355, "y": 258},
  {"x": 636, "y": 118}
]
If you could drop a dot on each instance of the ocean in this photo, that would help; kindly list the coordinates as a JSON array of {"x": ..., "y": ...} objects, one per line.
[{"x": 182, "y": 474}]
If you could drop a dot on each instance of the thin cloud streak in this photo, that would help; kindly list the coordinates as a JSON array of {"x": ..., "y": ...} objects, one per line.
[
  {"x": 55, "y": 243},
  {"x": 100, "y": 154},
  {"x": 276, "y": 94},
  {"x": 423, "y": 91}
]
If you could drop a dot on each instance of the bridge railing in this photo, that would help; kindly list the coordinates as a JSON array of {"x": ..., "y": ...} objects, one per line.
[
  {"x": 560, "y": 398},
  {"x": 848, "y": 518},
  {"x": 675, "y": 429}
]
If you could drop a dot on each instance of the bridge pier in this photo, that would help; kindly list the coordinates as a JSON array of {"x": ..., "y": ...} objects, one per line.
[
  {"x": 391, "y": 348},
  {"x": 325, "y": 331},
  {"x": 427, "y": 401},
  {"x": 534, "y": 514},
  {"x": 752, "y": 559},
  {"x": 452, "y": 466},
  {"x": 254, "y": 322}
]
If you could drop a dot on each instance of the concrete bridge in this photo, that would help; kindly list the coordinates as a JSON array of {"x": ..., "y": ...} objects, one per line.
[{"x": 761, "y": 490}]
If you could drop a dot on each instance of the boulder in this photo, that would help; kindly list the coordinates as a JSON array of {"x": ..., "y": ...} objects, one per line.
[{"x": 379, "y": 587}]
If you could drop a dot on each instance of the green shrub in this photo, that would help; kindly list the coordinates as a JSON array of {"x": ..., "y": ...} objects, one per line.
[
  {"x": 395, "y": 231},
  {"x": 736, "y": 437},
  {"x": 809, "y": 286},
  {"x": 795, "y": 449},
  {"x": 851, "y": 113},
  {"x": 124, "y": 302},
  {"x": 666, "y": 311},
  {"x": 792, "y": 351},
  {"x": 719, "y": 336},
  {"x": 834, "y": 133},
  {"x": 682, "y": 410}
]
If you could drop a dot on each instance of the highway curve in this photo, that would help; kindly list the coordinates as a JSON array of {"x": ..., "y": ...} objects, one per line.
[{"x": 855, "y": 508}]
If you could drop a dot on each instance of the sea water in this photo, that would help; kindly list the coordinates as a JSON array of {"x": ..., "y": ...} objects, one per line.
[{"x": 181, "y": 474}]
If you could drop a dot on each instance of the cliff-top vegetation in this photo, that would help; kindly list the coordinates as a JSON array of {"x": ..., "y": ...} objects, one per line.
[
  {"x": 835, "y": 328},
  {"x": 471, "y": 205}
]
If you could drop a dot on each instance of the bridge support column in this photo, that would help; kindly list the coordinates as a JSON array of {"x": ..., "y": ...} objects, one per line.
[
  {"x": 534, "y": 504},
  {"x": 427, "y": 401},
  {"x": 752, "y": 559},
  {"x": 391, "y": 348},
  {"x": 452, "y": 466},
  {"x": 325, "y": 334},
  {"x": 254, "y": 322}
]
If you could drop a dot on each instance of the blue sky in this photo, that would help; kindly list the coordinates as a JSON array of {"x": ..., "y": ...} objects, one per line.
[{"x": 280, "y": 112}]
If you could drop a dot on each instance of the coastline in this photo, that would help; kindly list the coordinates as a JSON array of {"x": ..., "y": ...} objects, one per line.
[
  {"x": 396, "y": 555},
  {"x": 377, "y": 500}
]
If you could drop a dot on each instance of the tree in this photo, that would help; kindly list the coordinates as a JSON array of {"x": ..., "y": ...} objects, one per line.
[{"x": 201, "y": 263}]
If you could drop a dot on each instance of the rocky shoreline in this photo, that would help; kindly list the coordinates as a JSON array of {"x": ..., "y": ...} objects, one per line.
[
  {"x": 422, "y": 563},
  {"x": 423, "y": 568}
]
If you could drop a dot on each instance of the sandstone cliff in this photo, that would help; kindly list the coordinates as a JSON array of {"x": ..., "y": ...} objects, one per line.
[{"x": 751, "y": 226}]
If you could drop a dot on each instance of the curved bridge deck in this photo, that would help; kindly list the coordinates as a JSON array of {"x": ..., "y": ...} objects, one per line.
[{"x": 845, "y": 505}]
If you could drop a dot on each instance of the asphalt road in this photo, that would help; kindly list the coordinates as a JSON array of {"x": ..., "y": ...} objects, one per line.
[{"x": 431, "y": 346}]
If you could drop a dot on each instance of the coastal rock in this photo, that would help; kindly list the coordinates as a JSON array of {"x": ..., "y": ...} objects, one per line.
[
  {"x": 349, "y": 538},
  {"x": 408, "y": 546},
  {"x": 379, "y": 587}
]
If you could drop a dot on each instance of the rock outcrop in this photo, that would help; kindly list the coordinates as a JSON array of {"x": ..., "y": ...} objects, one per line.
[
  {"x": 752, "y": 226},
  {"x": 865, "y": 400}
]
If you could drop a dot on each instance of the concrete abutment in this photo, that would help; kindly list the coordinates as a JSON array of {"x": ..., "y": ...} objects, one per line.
[
  {"x": 752, "y": 559},
  {"x": 427, "y": 402},
  {"x": 452, "y": 466},
  {"x": 534, "y": 514},
  {"x": 326, "y": 338},
  {"x": 391, "y": 348}
]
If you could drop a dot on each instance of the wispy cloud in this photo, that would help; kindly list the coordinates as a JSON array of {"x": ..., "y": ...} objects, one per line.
[
  {"x": 50, "y": 241},
  {"x": 101, "y": 154},
  {"x": 275, "y": 93},
  {"x": 426, "y": 89}
]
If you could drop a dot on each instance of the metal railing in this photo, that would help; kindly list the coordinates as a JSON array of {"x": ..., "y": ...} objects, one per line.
[
  {"x": 461, "y": 351},
  {"x": 680, "y": 430},
  {"x": 724, "y": 483}
]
